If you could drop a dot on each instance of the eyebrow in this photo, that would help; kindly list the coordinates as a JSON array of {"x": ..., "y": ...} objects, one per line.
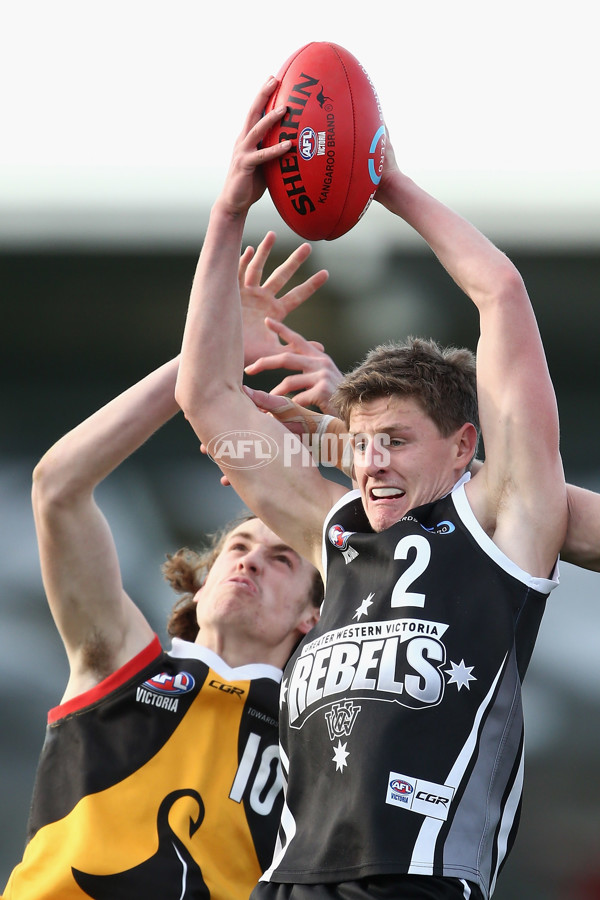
[
  {"x": 274, "y": 548},
  {"x": 387, "y": 429}
]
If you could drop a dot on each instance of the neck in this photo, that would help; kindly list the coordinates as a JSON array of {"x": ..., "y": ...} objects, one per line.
[{"x": 238, "y": 652}]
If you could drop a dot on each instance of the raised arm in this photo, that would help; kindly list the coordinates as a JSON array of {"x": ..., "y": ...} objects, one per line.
[
  {"x": 519, "y": 494},
  {"x": 209, "y": 386},
  {"x": 99, "y": 624}
]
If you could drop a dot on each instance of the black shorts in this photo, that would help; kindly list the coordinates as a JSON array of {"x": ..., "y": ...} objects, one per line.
[{"x": 377, "y": 887}]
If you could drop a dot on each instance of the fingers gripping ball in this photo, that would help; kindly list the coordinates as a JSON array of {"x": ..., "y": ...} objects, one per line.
[{"x": 322, "y": 186}]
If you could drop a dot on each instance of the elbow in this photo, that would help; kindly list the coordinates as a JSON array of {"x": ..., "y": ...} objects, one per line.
[
  {"x": 41, "y": 481},
  {"x": 508, "y": 282},
  {"x": 204, "y": 405},
  {"x": 54, "y": 488},
  {"x": 181, "y": 397},
  {"x": 47, "y": 491},
  {"x": 504, "y": 292},
  {"x": 188, "y": 395}
]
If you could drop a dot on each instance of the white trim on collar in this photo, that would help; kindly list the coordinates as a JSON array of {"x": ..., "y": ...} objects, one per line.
[{"x": 187, "y": 650}]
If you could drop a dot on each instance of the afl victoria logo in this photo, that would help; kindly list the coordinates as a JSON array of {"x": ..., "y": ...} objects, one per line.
[
  {"x": 307, "y": 143},
  {"x": 173, "y": 685},
  {"x": 401, "y": 787}
]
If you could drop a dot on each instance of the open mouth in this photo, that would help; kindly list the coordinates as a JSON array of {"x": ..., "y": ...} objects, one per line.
[{"x": 386, "y": 493}]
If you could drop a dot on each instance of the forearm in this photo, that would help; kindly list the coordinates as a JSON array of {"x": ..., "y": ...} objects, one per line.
[
  {"x": 212, "y": 355},
  {"x": 88, "y": 453},
  {"x": 478, "y": 267}
]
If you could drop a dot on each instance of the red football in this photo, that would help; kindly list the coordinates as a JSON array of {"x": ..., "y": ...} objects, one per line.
[{"x": 325, "y": 182}]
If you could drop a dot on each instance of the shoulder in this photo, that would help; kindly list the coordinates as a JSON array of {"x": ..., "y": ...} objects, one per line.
[{"x": 75, "y": 699}]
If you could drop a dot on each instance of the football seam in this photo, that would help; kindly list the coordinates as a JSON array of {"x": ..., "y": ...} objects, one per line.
[{"x": 343, "y": 210}]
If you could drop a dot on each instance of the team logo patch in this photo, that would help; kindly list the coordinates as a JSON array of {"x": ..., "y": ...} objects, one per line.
[
  {"x": 339, "y": 538},
  {"x": 419, "y": 796},
  {"x": 171, "y": 685},
  {"x": 341, "y": 718}
]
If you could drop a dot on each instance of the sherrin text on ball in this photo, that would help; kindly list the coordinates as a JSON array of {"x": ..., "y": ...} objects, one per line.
[{"x": 323, "y": 185}]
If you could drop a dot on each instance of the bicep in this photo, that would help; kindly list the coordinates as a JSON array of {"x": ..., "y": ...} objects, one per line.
[
  {"x": 582, "y": 541},
  {"x": 82, "y": 581},
  {"x": 524, "y": 494},
  {"x": 517, "y": 403}
]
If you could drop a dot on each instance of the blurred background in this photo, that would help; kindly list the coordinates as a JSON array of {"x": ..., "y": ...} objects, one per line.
[{"x": 117, "y": 124}]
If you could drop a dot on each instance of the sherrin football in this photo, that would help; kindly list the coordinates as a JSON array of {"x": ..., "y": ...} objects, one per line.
[{"x": 322, "y": 186}]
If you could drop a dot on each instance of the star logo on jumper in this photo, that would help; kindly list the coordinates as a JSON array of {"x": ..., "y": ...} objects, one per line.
[
  {"x": 460, "y": 675},
  {"x": 362, "y": 609},
  {"x": 283, "y": 692},
  {"x": 339, "y": 756}
]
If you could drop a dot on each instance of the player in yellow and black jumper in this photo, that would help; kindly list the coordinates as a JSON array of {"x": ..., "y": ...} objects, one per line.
[{"x": 159, "y": 777}]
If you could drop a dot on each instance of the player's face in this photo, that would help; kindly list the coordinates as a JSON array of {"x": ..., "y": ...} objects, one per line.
[
  {"x": 400, "y": 458},
  {"x": 258, "y": 590}
]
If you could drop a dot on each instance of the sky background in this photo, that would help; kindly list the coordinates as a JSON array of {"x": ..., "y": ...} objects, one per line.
[{"x": 136, "y": 105}]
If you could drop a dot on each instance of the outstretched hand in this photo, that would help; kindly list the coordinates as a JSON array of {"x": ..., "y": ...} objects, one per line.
[
  {"x": 317, "y": 375},
  {"x": 260, "y": 300}
]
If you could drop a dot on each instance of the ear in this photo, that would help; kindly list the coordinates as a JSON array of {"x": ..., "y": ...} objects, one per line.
[
  {"x": 309, "y": 620},
  {"x": 466, "y": 444}
]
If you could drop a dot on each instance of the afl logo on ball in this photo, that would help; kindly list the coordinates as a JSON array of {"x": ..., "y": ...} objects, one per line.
[{"x": 307, "y": 143}]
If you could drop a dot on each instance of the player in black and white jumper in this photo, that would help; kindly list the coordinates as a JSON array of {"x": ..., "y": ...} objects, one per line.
[
  {"x": 402, "y": 732},
  {"x": 159, "y": 775}
]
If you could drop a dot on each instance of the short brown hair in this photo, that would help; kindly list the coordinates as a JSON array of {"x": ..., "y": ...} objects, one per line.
[
  {"x": 441, "y": 379},
  {"x": 186, "y": 571}
]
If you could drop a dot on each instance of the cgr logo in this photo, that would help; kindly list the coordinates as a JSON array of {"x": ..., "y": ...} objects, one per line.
[
  {"x": 227, "y": 688},
  {"x": 427, "y": 797},
  {"x": 242, "y": 449}
]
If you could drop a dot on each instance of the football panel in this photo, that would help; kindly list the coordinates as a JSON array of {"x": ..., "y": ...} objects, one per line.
[{"x": 310, "y": 184}]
